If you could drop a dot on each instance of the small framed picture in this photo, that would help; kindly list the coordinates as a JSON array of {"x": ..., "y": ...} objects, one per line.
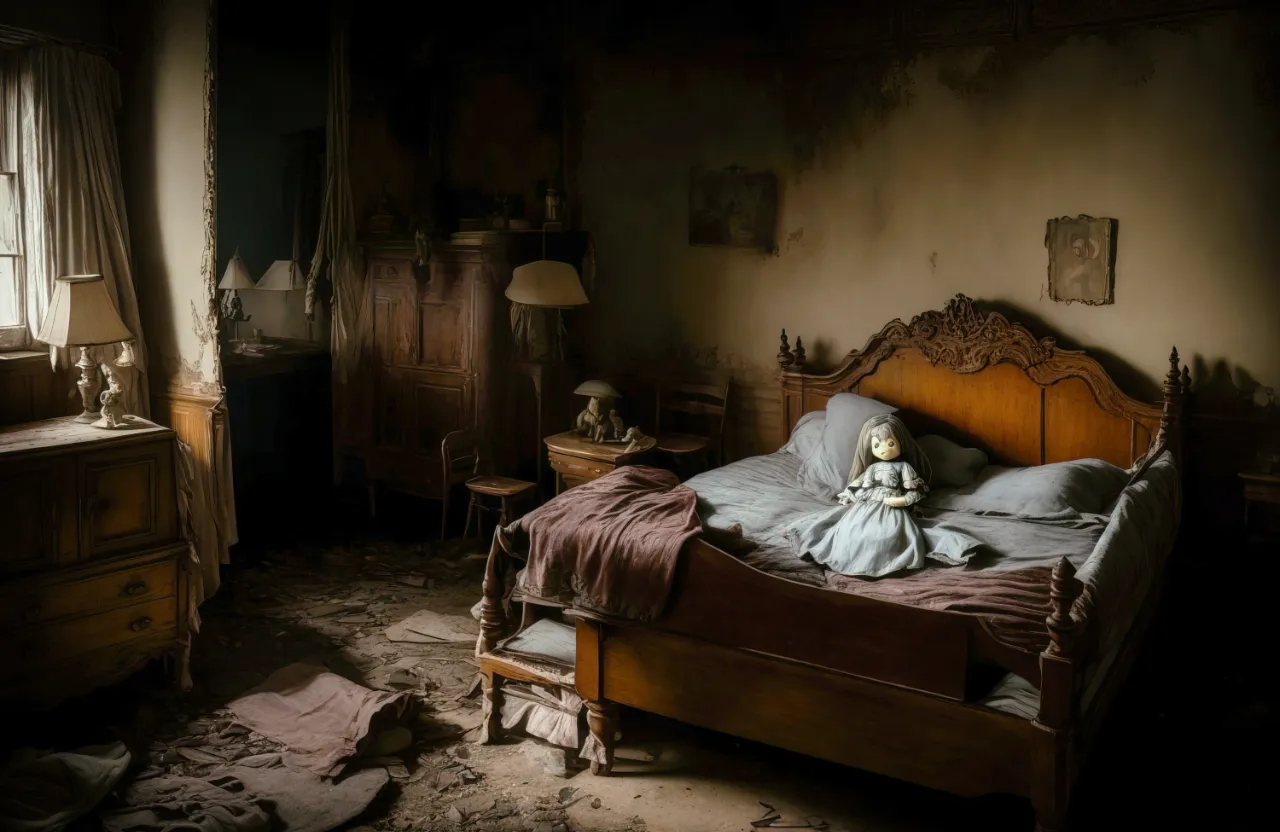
[{"x": 1082, "y": 256}]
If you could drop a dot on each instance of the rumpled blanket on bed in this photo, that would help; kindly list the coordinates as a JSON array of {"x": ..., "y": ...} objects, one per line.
[
  {"x": 609, "y": 545},
  {"x": 1014, "y": 604}
]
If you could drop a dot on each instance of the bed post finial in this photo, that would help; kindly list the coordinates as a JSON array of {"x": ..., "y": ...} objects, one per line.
[
  {"x": 1064, "y": 589},
  {"x": 1186, "y": 382},
  {"x": 798, "y": 354},
  {"x": 1173, "y": 393},
  {"x": 785, "y": 358}
]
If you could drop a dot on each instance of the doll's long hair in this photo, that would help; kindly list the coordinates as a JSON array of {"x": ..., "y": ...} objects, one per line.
[{"x": 882, "y": 426}]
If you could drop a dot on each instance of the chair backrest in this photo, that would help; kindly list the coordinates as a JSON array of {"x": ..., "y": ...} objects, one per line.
[
  {"x": 463, "y": 454},
  {"x": 703, "y": 402}
]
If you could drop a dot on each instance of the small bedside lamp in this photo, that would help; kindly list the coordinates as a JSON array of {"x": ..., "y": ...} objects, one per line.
[
  {"x": 82, "y": 315},
  {"x": 235, "y": 279}
]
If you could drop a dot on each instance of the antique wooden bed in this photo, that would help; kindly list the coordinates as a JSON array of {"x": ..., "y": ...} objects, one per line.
[{"x": 873, "y": 684}]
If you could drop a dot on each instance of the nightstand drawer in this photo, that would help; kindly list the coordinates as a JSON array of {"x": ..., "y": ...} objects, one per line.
[
  {"x": 22, "y": 650},
  {"x": 128, "y": 499},
  {"x": 96, "y": 594},
  {"x": 575, "y": 467}
]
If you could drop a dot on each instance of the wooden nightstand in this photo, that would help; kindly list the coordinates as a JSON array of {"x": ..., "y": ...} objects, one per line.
[
  {"x": 1259, "y": 488},
  {"x": 576, "y": 460}
]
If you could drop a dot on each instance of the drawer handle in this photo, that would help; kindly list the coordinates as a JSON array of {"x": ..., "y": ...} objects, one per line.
[
  {"x": 143, "y": 623},
  {"x": 134, "y": 588}
]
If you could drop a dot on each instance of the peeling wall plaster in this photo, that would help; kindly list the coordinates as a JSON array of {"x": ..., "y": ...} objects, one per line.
[
  {"x": 166, "y": 157},
  {"x": 906, "y": 183}
]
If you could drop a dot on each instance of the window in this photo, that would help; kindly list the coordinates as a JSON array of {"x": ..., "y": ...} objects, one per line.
[{"x": 13, "y": 330}]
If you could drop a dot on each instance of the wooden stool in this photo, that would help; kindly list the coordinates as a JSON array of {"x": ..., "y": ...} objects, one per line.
[{"x": 506, "y": 489}]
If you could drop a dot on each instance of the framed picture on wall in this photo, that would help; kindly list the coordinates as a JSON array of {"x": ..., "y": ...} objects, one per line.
[
  {"x": 1082, "y": 256},
  {"x": 733, "y": 207}
]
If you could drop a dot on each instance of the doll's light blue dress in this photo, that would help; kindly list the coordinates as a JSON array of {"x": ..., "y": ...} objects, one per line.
[{"x": 863, "y": 537}]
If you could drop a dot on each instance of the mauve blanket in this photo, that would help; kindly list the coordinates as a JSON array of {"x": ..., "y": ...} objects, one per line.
[
  {"x": 609, "y": 545},
  {"x": 1014, "y": 604}
]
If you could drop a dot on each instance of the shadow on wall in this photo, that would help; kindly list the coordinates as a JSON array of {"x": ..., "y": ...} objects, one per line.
[
  {"x": 136, "y": 122},
  {"x": 1132, "y": 381},
  {"x": 1220, "y": 389}
]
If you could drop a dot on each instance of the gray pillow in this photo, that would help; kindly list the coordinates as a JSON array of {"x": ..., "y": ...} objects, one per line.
[
  {"x": 952, "y": 464},
  {"x": 807, "y": 434},
  {"x": 825, "y": 472},
  {"x": 1083, "y": 486}
]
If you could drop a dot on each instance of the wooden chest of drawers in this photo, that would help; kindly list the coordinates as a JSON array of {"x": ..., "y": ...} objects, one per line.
[{"x": 93, "y": 578}]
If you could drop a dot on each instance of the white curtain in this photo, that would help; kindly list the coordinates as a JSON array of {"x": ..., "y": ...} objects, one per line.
[
  {"x": 337, "y": 245},
  {"x": 68, "y": 163}
]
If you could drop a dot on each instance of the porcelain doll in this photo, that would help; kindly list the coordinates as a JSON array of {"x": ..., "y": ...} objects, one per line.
[
  {"x": 888, "y": 466},
  {"x": 873, "y": 531}
]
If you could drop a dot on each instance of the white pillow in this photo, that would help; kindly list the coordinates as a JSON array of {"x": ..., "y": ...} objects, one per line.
[
  {"x": 1081, "y": 486},
  {"x": 807, "y": 434},
  {"x": 825, "y": 472},
  {"x": 952, "y": 464}
]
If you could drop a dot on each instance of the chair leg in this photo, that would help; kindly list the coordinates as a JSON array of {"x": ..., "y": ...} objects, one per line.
[
  {"x": 471, "y": 505},
  {"x": 503, "y": 517},
  {"x": 444, "y": 512},
  {"x": 491, "y": 708}
]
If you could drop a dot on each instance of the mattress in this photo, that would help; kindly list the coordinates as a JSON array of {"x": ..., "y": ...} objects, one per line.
[{"x": 1116, "y": 554}]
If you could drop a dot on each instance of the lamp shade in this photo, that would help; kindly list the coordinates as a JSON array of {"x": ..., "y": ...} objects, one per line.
[
  {"x": 546, "y": 283},
  {"x": 81, "y": 314},
  {"x": 282, "y": 276},
  {"x": 237, "y": 275},
  {"x": 597, "y": 389}
]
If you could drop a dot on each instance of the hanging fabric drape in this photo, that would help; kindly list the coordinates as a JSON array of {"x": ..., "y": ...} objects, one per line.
[
  {"x": 73, "y": 218},
  {"x": 336, "y": 243}
]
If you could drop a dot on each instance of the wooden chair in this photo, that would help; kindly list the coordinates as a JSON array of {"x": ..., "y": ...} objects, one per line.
[
  {"x": 465, "y": 457},
  {"x": 681, "y": 405}
]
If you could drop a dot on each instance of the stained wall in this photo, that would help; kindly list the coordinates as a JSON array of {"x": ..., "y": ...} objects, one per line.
[{"x": 908, "y": 183}]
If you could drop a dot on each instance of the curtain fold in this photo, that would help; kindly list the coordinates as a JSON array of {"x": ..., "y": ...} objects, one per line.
[
  {"x": 73, "y": 194},
  {"x": 336, "y": 243}
]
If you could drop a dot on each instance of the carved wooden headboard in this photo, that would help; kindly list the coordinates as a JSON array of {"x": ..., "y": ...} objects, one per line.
[{"x": 988, "y": 383}]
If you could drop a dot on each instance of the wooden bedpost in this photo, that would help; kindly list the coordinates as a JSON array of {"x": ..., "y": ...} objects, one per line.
[
  {"x": 1051, "y": 751},
  {"x": 798, "y": 355},
  {"x": 493, "y": 619},
  {"x": 493, "y": 625},
  {"x": 1175, "y": 382},
  {"x": 785, "y": 357}
]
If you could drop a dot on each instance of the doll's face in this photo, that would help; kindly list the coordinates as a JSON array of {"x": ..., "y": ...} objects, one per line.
[{"x": 885, "y": 449}]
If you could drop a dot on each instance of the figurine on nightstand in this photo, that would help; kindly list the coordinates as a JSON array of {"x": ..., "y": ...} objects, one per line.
[
  {"x": 112, "y": 405},
  {"x": 619, "y": 429}
]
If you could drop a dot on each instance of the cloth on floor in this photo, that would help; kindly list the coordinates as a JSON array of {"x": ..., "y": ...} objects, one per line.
[
  {"x": 300, "y": 801},
  {"x": 609, "y": 545},
  {"x": 188, "y": 804},
  {"x": 549, "y": 713},
  {"x": 44, "y": 792},
  {"x": 323, "y": 718}
]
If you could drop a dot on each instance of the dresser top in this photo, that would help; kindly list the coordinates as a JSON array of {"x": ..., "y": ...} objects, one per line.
[{"x": 66, "y": 432}]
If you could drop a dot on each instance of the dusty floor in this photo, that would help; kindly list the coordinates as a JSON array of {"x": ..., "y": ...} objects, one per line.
[{"x": 1175, "y": 749}]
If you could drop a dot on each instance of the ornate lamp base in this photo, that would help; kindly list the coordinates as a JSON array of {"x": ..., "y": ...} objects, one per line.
[{"x": 88, "y": 385}]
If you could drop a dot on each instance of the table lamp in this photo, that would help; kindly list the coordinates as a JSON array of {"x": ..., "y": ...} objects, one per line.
[
  {"x": 235, "y": 279},
  {"x": 82, "y": 315},
  {"x": 546, "y": 284}
]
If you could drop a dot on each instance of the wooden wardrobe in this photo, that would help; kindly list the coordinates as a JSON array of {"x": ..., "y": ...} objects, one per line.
[{"x": 440, "y": 355}]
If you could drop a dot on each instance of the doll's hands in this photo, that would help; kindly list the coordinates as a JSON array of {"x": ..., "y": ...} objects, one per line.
[
  {"x": 896, "y": 502},
  {"x": 846, "y": 497}
]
